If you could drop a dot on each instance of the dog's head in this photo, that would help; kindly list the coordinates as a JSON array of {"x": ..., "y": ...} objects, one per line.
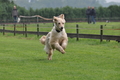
[{"x": 59, "y": 22}]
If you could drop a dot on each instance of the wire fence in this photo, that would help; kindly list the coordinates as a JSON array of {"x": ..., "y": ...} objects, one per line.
[{"x": 76, "y": 35}]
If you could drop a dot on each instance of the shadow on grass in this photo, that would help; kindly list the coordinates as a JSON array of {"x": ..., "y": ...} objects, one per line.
[
  {"x": 40, "y": 59},
  {"x": 44, "y": 60}
]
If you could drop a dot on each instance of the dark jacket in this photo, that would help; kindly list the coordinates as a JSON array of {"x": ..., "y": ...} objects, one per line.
[
  {"x": 88, "y": 11},
  {"x": 14, "y": 12},
  {"x": 93, "y": 12}
]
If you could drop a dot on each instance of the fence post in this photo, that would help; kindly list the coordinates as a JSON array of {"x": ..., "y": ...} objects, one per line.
[
  {"x": 37, "y": 30},
  {"x": 3, "y": 29},
  {"x": 37, "y": 19},
  {"x": 77, "y": 32},
  {"x": 101, "y": 33},
  {"x": 25, "y": 30},
  {"x": 14, "y": 29}
]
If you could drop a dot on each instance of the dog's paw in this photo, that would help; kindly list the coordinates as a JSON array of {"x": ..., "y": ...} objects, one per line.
[
  {"x": 63, "y": 52},
  {"x": 49, "y": 58}
]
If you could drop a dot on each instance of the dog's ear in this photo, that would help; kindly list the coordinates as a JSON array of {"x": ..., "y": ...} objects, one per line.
[
  {"x": 54, "y": 19},
  {"x": 62, "y": 16}
]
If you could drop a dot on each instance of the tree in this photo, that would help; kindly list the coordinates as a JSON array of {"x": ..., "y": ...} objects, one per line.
[
  {"x": 31, "y": 11},
  {"x": 5, "y": 1}
]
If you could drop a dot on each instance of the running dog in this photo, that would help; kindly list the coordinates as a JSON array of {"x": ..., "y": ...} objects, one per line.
[{"x": 56, "y": 38}]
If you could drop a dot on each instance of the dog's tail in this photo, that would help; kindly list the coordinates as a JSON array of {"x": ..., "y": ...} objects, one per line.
[{"x": 42, "y": 40}]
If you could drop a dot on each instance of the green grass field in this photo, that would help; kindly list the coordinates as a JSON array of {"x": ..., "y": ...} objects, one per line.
[{"x": 87, "y": 59}]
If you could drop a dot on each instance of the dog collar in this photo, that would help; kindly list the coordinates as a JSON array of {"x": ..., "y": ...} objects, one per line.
[{"x": 58, "y": 31}]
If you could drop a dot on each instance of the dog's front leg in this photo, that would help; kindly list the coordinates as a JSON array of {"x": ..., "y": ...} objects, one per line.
[
  {"x": 64, "y": 44},
  {"x": 59, "y": 48}
]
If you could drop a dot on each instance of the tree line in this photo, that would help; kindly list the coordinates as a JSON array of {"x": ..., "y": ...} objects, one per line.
[
  {"x": 6, "y": 7},
  {"x": 35, "y": 4}
]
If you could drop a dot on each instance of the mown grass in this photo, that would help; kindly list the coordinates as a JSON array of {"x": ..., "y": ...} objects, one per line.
[{"x": 24, "y": 59}]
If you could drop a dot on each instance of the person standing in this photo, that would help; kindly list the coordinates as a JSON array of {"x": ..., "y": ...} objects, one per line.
[
  {"x": 15, "y": 14},
  {"x": 93, "y": 15},
  {"x": 88, "y": 12}
]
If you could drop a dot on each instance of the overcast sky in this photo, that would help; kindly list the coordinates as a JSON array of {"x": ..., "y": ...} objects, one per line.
[{"x": 113, "y": 0}]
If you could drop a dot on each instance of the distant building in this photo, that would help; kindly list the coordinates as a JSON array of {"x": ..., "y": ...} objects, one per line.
[
  {"x": 32, "y": 1},
  {"x": 29, "y": 1}
]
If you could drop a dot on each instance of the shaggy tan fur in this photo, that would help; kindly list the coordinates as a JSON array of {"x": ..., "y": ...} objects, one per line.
[{"x": 56, "y": 38}]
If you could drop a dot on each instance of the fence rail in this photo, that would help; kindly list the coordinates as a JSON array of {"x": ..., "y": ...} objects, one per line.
[
  {"x": 76, "y": 35},
  {"x": 40, "y": 19}
]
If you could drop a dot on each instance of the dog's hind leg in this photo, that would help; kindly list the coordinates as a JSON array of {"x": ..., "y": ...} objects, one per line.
[
  {"x": 50, "y": 54},
  {"x": 49, "y": 51}
]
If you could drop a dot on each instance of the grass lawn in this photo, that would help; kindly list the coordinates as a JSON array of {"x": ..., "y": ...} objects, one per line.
[{"x": 24, "y": 59}]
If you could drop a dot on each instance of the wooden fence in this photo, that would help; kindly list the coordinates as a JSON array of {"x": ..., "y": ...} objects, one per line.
[{"x": 76, "y": 35}]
